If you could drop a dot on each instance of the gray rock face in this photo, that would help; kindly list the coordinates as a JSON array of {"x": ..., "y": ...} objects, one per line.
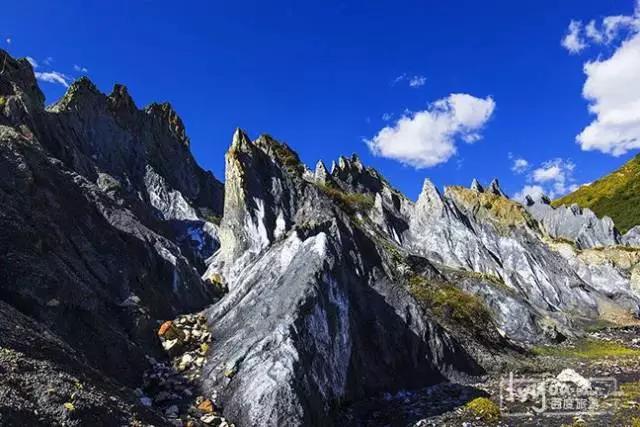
[
  {"x": 457, "y": 230},
  {"x": 86, "y": 256},
  {"x": 631, "y": 237},
  {"x": 494, "y": 187},
  {"x": 330, "y": 275},
  {"x": 475, "y": 185},
  {"x": 579, "y": 225},
  {"x": 294, "y": 333},
  {"x": 146, "y": 151},
  {"x": 321, "y": 174},
  {"x": 296, "y": 306}
]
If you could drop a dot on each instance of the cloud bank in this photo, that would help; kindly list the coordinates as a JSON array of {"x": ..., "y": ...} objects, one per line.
[{"x": 612, "y": 86}]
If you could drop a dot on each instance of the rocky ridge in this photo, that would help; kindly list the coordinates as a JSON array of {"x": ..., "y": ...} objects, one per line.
[
  {"x": 86, "y": 256},
  {"x": 472, "y": 242},
  {"x": 337, "y": 288}
]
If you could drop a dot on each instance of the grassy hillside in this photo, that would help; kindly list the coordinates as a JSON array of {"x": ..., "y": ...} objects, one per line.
[{"x": 616, "y": 195}]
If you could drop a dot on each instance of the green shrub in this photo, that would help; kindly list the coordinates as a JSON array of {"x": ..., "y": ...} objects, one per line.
[{"x": 484, "y": 409}]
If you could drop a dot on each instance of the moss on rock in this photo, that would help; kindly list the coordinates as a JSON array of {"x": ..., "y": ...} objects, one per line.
[
  {"x": 485, "y": 409},
  {"x": 589, "y": 349},
  {"x": 450, "y": 303},
  {"x": 349, "y": 202}
]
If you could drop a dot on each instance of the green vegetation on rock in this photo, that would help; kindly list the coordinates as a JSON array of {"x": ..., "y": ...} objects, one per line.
[
  {"x": 616, "y": 195},
  {"x": 283, "y": 153},
  {"x": 350, "y": 202},
  {"x": 448, "y": 302},
  {"x": 589, "y": 349},
  {"x": 485, "y": 409},
  {"x": 504, "y": 213}
]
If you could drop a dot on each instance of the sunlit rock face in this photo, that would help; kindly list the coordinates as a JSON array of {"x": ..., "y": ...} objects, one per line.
[
  {"x": 307, "y": 255},
  {"x": 574, "y": 223},
  {"x": 319, "y": 287},
  {"x": 311, "y": 316}
]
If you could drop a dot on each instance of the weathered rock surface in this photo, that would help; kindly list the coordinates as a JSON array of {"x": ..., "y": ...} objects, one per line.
[
  {"x": 631, "y": 237},
  {"x": 313, "y": 318},
  {"x": 87, "y": 254},
  {"x": 338, "y": 287},
  {"x": 301, "y": 288},
  {"x": 573, "y": 223}
]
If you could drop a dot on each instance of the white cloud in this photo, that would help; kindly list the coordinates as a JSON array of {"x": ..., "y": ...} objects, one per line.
[
  {"x": 534, "y": 191},
  {"x": 519, "y": 165},
  {"x": 32, "y": 61},
  {"x": 612, "y": 87},
  {"x": 573, "y": 40},
  {"x": 553, "y": 178},
  {"x": 613, "y": 91},
  {"x": 9, "y": 40},
  {"x": 387, "y": 116},
  {"x": 80, "y": 69},
  {"x": 413, "y": 81},
  {"x": 428, "y": 137},
  {"x": 48, "y": 60},
  {"x": 53, "y": 77},
  {"x": 610, "y": 29},
  {"x": 398, "y": 79},
  {"x": 417, "y": 81},
  {"x": 593, "y": 32}
]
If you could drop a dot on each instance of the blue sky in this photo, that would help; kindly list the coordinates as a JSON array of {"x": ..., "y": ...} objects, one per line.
[{"x": 325, "y": 77}]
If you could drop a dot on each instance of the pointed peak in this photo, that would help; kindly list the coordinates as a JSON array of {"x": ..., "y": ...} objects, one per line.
[
  {"x": 343, "y": 162},
  {"x": 494, "y": 188},
  {"x": 334, "y": 167},
  {"x": 165, "y": 113},
  {"x": 430, "y": 200},
  {"x": 429, "y": 188},
  {"x": 19, "y": 72},
  {"x": 82, "y": 91},
  {"x": 119, "y": 98},
  {"x": 320, "y": 167},
  {"x": 240, "y": 139},
  {"x": 475, "y": 185},
  {"x": 84, "y": 82},
  {"x": 321, "y": 175},
  {"x": 355, "y": 161}
]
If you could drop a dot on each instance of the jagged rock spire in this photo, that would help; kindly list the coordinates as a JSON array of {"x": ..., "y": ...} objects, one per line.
[
  {"x": 120, "y": 99},
  {"x": 355, "y": 161},
  {"x": 321, "y": 175},
  {"x": 240, "y": 139},
  {"x": 494, "y": 188},
  {"x": 475, "y": 185},
  {"x": 430, "y": 198}
]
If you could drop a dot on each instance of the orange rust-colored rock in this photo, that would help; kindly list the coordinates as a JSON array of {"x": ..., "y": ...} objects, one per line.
[
  {"x": 170, "y": 331},
  {"x": 164, "y": 328},
  {"x": 206, "y": 406}
]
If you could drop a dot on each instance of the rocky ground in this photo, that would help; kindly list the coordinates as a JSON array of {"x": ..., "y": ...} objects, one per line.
[
  {"x": 171, "y": 387},
  {"x": 607, "y": 353}
]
